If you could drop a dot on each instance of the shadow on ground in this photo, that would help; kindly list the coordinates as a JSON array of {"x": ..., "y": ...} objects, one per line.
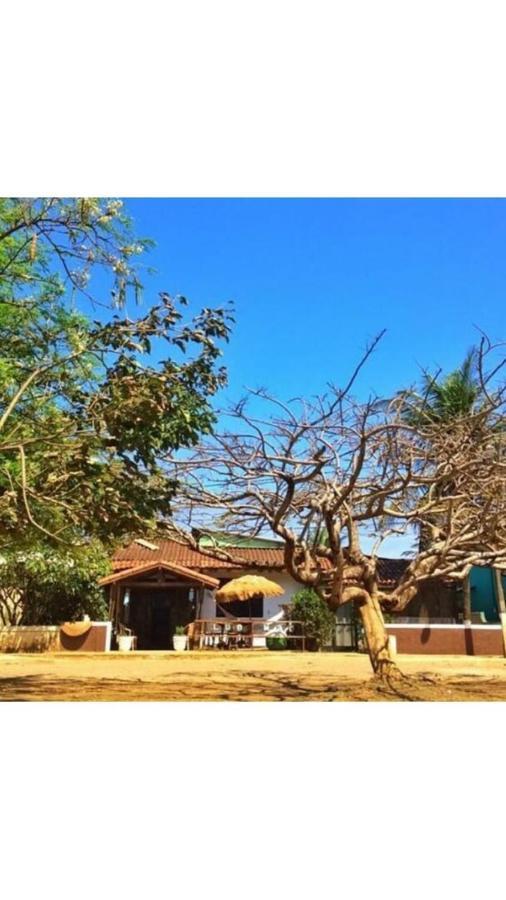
[{"x": 253, "y": 686}]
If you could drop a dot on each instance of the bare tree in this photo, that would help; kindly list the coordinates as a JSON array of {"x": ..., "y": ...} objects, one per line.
[{"x": 322, "y": 473}]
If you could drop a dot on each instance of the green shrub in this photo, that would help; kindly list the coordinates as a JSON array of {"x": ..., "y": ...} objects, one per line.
[
  {"x": 276, "y": 642},
  {"x": 180, "y": 629},
  {"x": 318, "y": 620},
  {"x": 53, "y": 584}
]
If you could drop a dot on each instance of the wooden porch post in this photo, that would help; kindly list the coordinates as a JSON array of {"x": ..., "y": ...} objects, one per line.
[
  {"x": 117, "y": 605},
  {"x": 199, "y": 599},
  {"x": 112, "y": 598},
  {"x": 114, "y": 604}
]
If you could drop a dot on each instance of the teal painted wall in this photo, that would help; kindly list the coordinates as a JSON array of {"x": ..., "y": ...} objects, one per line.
[{"x": 483, "y": 593}]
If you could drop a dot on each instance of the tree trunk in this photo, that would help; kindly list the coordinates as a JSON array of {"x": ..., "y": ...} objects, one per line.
[
  {"x": 376, "y": 636},
  {"x": 11, "y": 606},
  {"x": 467, "y": 600}
]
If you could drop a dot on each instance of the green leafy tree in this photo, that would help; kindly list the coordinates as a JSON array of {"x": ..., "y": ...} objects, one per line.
[
  {"x": 41, "y": 585},
  {"x": 88, "y": 407},
  {"x": 52, "y": 246}
]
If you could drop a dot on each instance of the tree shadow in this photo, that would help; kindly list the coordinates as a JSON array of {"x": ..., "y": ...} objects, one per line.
[{"x": 253, "y": 686}]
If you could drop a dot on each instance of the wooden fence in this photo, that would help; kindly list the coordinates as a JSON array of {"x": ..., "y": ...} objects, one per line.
[{"x": 243, "y": 633}]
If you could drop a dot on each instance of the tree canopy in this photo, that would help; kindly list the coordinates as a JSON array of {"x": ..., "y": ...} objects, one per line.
[
  {"x": 88, "y": 404},
  {"x": 322, "y": 472},
  {"x": 44, "y": 585}
]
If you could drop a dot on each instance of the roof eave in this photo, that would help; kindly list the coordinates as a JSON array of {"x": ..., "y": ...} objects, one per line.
[{"x": 186, "y": 574}]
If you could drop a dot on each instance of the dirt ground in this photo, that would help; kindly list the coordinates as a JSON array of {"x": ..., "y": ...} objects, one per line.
[{"x": 244, "y": 675}]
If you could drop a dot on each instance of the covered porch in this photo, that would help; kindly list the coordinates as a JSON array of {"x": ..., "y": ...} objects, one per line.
[{"x": 151, "y": 600}]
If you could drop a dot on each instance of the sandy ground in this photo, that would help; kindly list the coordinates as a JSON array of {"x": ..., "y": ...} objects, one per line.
[{"x": 244, "y": 675}]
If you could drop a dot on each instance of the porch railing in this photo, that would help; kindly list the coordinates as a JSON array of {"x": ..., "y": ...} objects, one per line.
[{"x": 242, "y": 633}]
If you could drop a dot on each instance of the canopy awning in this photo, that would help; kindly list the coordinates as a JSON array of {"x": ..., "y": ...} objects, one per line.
[{"x": 189, "y": 575}]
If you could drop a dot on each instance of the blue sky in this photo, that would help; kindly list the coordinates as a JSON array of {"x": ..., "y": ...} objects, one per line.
[{"x": 313, "y": 280}]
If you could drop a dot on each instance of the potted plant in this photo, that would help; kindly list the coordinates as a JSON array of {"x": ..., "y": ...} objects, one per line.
[{"x": 179, "y": 639}]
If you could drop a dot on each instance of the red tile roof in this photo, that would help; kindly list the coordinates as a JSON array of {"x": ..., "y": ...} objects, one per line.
[{"x": 180, "y": 554}]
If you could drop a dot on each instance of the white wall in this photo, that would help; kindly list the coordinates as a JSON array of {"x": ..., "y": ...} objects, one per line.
[
  {"x": 272, "y": 605},
  {"x": 39, "y": 638},
  {"x": 29, "y": 638}
]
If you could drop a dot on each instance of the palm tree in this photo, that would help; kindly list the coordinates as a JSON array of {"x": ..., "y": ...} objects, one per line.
[
  {"x": 450, "y": 398},
  {"x": 443, "y": 402}
]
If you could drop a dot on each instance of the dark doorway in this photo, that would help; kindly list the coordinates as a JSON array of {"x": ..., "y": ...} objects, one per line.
[
  {"x": 155, "y": 613},
  {"x": 160, "y": 636}
]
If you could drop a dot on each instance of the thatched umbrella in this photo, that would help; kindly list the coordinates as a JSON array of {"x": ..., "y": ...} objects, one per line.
[{"x": 246, "y": 588}]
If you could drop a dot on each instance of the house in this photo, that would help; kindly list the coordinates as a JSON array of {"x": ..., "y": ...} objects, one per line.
[
  {"x": 160, "y": 584},
  {"x": 434, "y": 622},
  {"x": 442, "y": 600}
]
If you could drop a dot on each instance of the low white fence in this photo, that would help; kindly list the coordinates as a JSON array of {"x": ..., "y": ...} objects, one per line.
[
  {"x": 51, "y": 638},
  {"x": 29, "y": 638}
]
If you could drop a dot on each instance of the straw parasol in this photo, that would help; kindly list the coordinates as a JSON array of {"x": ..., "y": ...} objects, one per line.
[{"x": 246, "y": 588}]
